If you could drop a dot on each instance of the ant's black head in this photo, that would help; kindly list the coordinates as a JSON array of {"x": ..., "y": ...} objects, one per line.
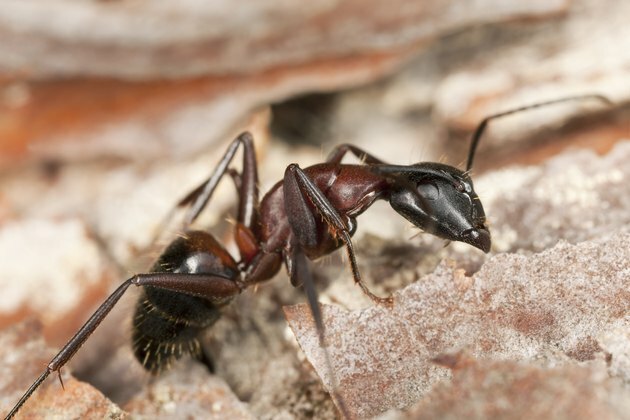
[{"x": 440, "y": 200}]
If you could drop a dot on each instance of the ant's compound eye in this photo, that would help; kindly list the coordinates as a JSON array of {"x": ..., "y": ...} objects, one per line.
[{"x": 428, "y": 191}]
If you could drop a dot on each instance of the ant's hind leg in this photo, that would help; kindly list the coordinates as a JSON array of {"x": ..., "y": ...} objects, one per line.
[
  {"x": 73, "y": 345},
  {"x": 246, "y": 184},
  {"x": 213, "y": 288}
]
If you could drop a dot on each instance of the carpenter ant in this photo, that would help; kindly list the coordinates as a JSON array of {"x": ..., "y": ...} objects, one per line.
[{"x": 308, "y": 214}]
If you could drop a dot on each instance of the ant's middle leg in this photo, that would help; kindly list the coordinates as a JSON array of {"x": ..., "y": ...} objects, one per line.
[
  {"x": 301, "y": 274},
  {"x": 298, "y": 189}
]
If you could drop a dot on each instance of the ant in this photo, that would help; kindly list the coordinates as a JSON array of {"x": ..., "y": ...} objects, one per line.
[{"x": 310, "y": 213}]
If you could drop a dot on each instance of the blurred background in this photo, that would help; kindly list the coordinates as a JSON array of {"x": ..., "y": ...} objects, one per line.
[{"x": 110, "y": 111}]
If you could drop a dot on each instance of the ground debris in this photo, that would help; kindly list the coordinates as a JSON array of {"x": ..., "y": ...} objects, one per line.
[{"x": 549, "y": 307}]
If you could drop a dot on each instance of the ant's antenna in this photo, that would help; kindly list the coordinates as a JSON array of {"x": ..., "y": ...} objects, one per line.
[{"x": 484, "y": 123}]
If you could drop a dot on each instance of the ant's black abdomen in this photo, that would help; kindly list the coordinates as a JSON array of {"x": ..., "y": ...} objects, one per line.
[{"x": 167, "y": 324}]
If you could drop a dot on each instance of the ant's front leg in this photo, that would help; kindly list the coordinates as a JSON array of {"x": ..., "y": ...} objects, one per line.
[
  {"x": 340, "y": 151},
  {"x": 299, "y": 189}
]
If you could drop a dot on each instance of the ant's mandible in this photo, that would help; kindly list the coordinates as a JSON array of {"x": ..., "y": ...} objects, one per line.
[{"x": 308, "y": 214}]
